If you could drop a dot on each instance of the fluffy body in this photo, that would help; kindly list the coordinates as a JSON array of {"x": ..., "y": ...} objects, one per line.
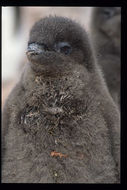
[
  {"x": 60, "y": 124},
  {"x": 106, "y": 36}
]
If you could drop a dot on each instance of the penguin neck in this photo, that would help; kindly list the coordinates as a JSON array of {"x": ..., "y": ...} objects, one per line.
[{"x": 71, "y": 83}]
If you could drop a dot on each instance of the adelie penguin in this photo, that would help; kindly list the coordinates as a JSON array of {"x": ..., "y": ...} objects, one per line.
[
  {"x": 106, "y": 37},
  {"x": 60, "y": 124}
]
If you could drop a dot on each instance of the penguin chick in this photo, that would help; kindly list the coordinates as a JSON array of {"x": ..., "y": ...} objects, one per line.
[
  {"x": 106, "y": 36},
  {"x": 60, "y": 124}
]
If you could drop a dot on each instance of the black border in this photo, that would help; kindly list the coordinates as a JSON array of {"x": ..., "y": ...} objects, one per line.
[
  {"x": 94, "y": 3},
  {"x": 63, "y": 2}
]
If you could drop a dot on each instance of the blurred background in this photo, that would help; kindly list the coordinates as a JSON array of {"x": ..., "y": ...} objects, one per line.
[{"x": 16, "y": 24}]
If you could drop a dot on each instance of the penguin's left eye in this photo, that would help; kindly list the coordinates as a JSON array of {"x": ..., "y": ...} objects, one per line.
[
  {"x": 109, "y": 12},
  {"x": 63, "y": 47}
]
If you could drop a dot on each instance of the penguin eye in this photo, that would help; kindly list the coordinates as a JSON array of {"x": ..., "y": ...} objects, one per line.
[
  {"x": 108, "y": 12},
  {"x": 63, "y": 47}
]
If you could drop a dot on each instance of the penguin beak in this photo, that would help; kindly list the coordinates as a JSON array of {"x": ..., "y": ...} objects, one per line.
[{"x": 34, "y": 49}]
